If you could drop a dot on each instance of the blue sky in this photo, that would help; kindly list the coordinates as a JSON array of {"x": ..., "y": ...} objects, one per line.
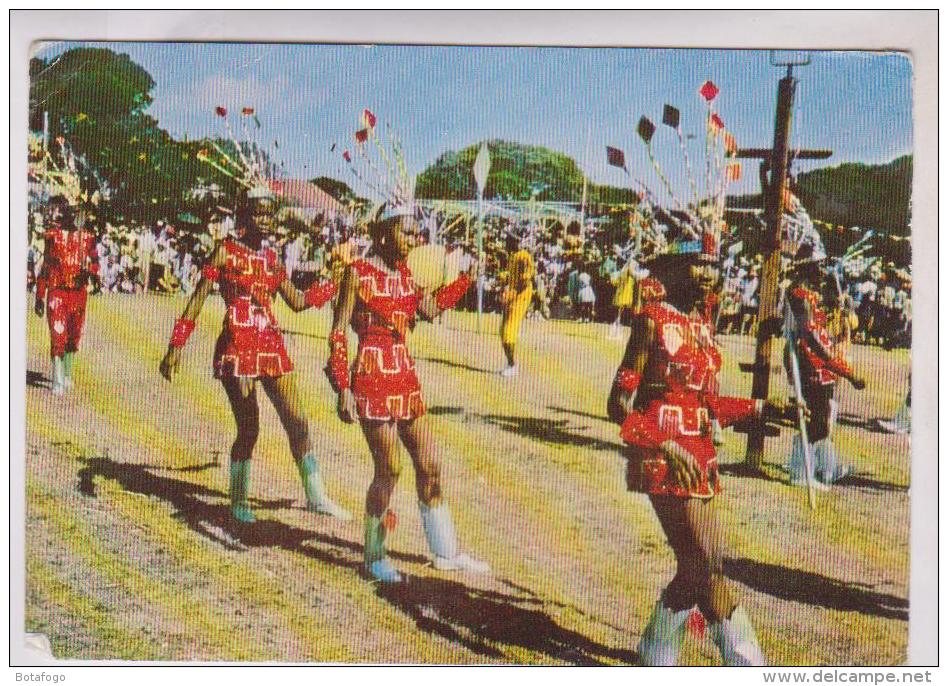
[{"x": 575, "y": 100}]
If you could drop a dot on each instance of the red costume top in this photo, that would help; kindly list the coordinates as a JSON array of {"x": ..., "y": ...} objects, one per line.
[
  {"x": 250, "y": 343},
  {"x": 383, "y": 377},
  {"x": 676, "y": 401},
  {"x": 69, "y": 256},
  {"x": 811, "y": 336}
]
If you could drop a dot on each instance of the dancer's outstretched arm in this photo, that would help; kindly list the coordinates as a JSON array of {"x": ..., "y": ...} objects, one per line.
[
  {"x": 185, "y": 324},
  {"x": 316, "y": 295},
  {"x": 446, "y": 297},
  {"x": 337, "y": 369},
  {"x": 320, "y": 292},
  {"x": 804, "y": 316}
]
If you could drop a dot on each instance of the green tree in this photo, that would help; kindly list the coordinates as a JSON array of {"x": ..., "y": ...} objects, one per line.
[{"x": 517, "y": 172}]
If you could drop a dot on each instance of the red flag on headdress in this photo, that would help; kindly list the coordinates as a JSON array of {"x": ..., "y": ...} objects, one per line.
[
  {"x": 368, "y": 119},
  {"x": 708, "y": 90},
  {"x": 247, "y": 111},
  {"x": 362, "y": 135},
  {"x": 346, "y": 156},
  {"x": 716, "y": 122},
  {"x": 220, "y": 111}
]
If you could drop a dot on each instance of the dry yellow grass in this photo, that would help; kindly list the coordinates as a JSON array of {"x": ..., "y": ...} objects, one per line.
[{"x": 131, "y": 554}]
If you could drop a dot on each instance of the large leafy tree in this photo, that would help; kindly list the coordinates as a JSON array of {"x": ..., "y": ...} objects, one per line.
[
  {"x": 517, "y": 172},
  {"x": 96, "y": 100}
]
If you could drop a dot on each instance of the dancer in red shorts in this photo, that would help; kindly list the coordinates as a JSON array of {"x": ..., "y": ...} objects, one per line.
[
  {"x": 69, "y": 261},
  {"x": 665, "y": 395},
  {"x": 380, "y": 301},
  {"x": 250, "y": 349}
]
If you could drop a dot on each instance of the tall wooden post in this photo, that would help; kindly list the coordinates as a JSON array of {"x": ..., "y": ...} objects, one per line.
[{"x": 770, "y": 278}]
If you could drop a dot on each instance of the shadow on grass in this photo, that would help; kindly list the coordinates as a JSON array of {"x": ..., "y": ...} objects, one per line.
[
  {"x": 456, "y": 365},
  {"x": 857, "y": 422},
  {"x": 484, "y": 621},
  {"x": 551, "y": 431},
  {"x": 587, "y": 415},
  {"x": 36, "y": 379},
  {"x": 206, "y": 511},
  {"x": 810, "y": 588}
]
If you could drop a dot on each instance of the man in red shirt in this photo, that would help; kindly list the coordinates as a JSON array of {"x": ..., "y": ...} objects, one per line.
[{"x": 69, "y": 259}]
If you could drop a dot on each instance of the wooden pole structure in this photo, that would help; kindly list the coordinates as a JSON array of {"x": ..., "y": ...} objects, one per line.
[{"x": 768, "y": 316}]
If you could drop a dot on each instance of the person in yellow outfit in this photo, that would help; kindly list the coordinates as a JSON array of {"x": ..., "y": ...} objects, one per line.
[{"x": 516, "y": 300}]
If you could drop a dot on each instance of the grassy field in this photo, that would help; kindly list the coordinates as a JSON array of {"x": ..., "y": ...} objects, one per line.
[{"x": 131, "y": 553}]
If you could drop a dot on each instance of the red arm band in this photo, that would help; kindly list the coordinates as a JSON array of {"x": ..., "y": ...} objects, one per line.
[
  {"x": 183, "y": 328},
  {"x": 448, "y": 296},
  {"x": 840, "y": 367},
  {"x": 337, "y": 369},
  {"x": 320, "y": 293},
  {"x": 210, "y": 272},
  {"x": 642, "y": 432},
  {"x": 729, "y": 410},
  {"x": 628, "y": 380}
]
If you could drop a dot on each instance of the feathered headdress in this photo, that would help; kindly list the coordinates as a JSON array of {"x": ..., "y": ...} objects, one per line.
[
  {"x": 379, "y": 164},
  {"x": 248, "y": 163},
  {"x": 59, "y": 175},
  {"x": 695, "y": 226}
]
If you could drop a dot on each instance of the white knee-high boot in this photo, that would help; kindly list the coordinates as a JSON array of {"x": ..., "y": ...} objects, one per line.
[
  {"x": 661, "y": 640},
  {"x": 316, "y": 498},
  {"x": 736, "y": 640},
  {"x": 443, "y": 541}
]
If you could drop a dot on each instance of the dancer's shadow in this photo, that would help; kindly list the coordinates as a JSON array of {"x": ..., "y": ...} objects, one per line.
[
  {"x": 744, "y": 471},
  {"x": 37, "y": 379},
  {"x": 551, "y": 431},
  {"x": 577, "y": 413},
  {"x": 206, "y": 512},
  {"x": 479, "y": 619},
  {"x": 456, "y": 365},
  {"x": 864, "y": 482},
  {"x": 801, "y": 586},
  {"x": 482, "y": 620},
  {"x": 864, "y": 423}
]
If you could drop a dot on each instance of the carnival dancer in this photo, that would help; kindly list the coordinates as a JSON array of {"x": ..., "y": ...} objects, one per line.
[
  {"x": 250, "y": 349},
  {"x": 380, "y": 300},
  {"x": 820, "y": 368},
  {"x": 664, "y": 395},
  {"x": 516, "y": 299},
  {"x": 70, "y": 260}
]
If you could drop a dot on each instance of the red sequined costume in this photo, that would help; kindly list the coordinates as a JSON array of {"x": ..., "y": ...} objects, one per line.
[
  {"x": 69, "y": 258},
  {"x": 675, "y": 401},
  {"x": 814, "y": 369},
  {"x": 383, "y": 377},
  {"x": 250, "y": 343}
]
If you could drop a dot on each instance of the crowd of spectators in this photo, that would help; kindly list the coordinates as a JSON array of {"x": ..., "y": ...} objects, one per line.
[{"x": 577, "y": 271}]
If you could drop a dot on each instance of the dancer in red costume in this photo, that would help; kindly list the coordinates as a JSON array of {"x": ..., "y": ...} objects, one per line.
[
  {"x": 250, "y": 349},
  {"x": 664, "y": 395},
  {"x": 820, "y": 369},
  {"x": 380, "y": 301},
  {"x": 69, "y": 261}
]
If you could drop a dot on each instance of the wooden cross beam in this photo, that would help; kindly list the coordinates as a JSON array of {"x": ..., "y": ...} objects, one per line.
[{"x": 766, "y": 154}]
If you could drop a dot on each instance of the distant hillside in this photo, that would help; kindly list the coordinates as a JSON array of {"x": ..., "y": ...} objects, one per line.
[
  {"x": 516, "y": 171},
  {"x": 871, "y": 196},
  {"x": 877, "y": 196}
]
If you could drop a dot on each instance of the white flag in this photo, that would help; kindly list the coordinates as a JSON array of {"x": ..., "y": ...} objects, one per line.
[{"x": 481, "y": 168}]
